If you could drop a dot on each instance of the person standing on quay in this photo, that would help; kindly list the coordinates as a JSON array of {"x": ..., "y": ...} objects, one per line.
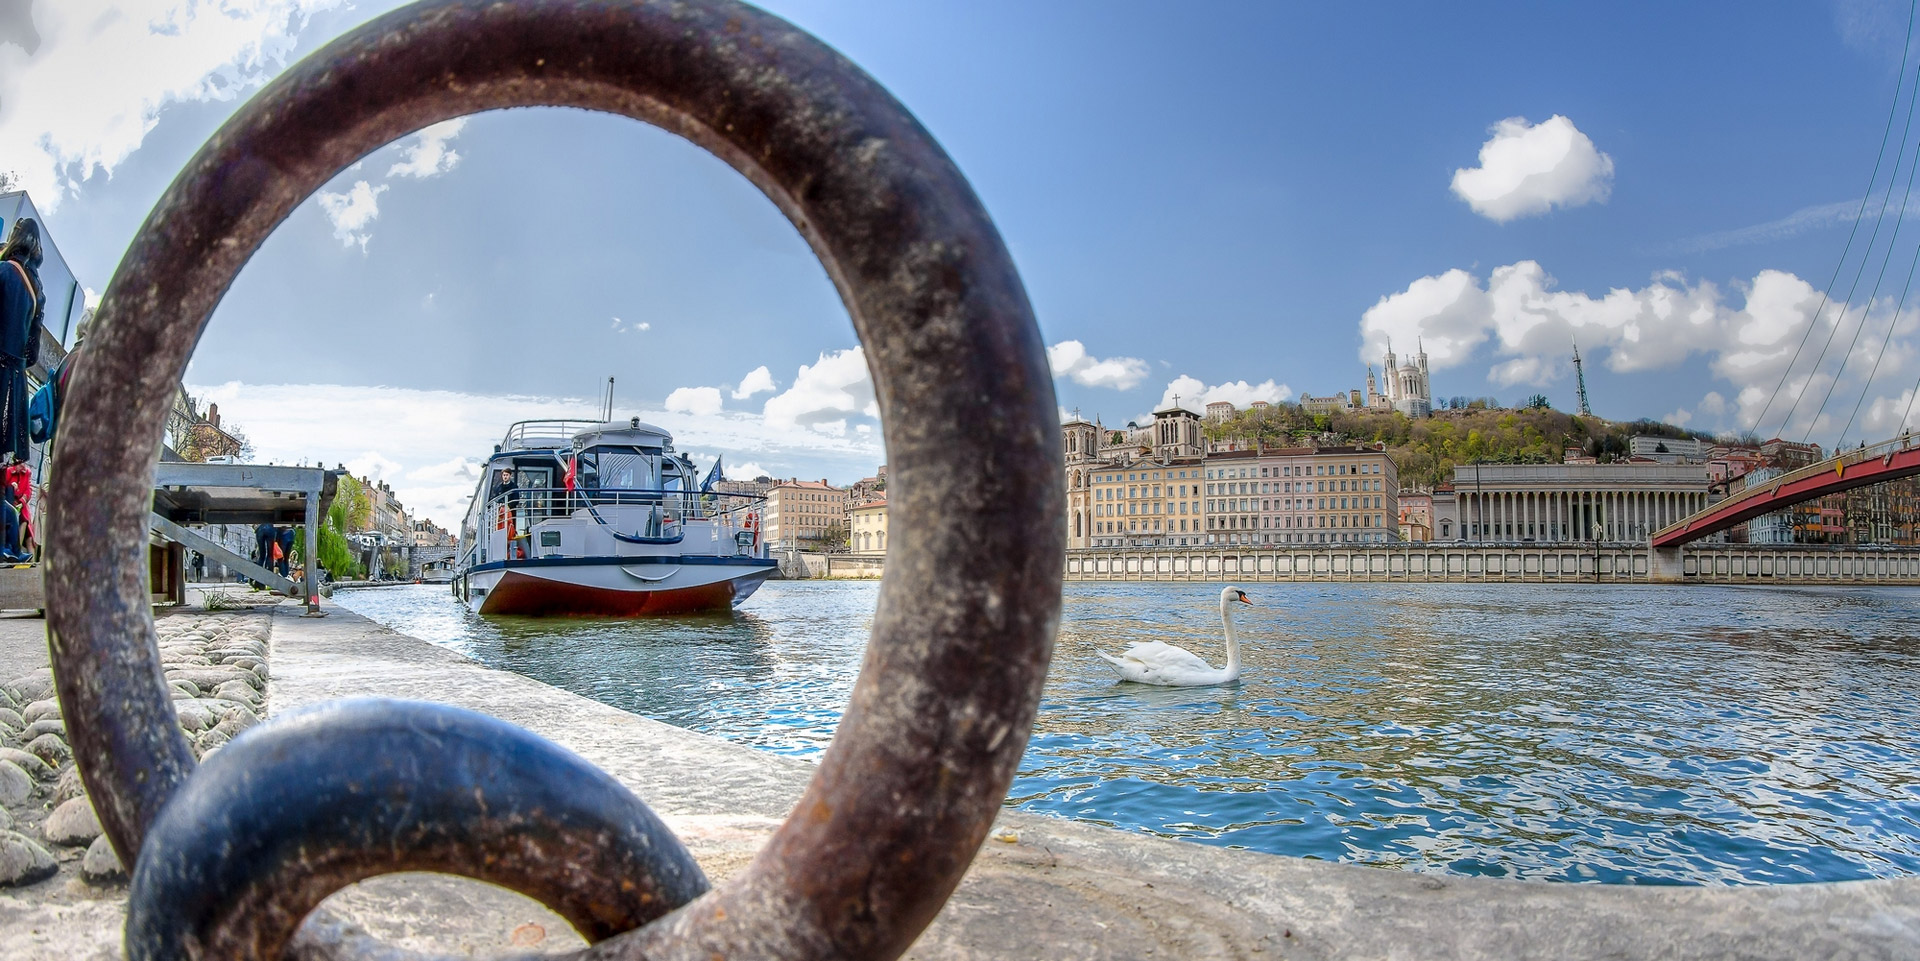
[
  {"x": 19, "y": 477},
  {"x": 264, "y": 539},
  {"x": 21, "y": 301},
  {"x": 286, "y": 551}
]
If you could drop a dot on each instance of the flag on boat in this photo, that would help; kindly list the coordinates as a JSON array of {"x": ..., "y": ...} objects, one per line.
[{"x": 713, "y": 475}]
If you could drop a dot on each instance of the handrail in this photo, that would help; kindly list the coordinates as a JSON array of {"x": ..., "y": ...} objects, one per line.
[
  {"x": 522, "y": 434},
  {"x": 542, "y": 503},
  {"x": 1839, "y": 462}
]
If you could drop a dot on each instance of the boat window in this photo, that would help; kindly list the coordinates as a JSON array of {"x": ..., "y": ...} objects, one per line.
[{"x": 614, "y": 468}]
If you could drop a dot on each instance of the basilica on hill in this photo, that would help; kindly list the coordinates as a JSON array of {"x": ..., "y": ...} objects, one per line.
[{"x": 1407, "y": 390}]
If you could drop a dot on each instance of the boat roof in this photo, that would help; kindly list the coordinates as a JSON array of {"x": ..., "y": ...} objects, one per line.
[{"x": 550, "y": 435}]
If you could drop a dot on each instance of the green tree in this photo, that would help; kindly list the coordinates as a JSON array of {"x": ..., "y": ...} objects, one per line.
[{"x": 352, "y": 507}]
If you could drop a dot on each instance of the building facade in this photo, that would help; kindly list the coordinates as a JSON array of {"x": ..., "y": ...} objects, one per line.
[
  {"x": 1145, "y": 503},
  {"x": 1139, "y": 487},
  {"x": 867, "y": 528},
  {"x": 1302, "y": 495},
  {"x": 1669, "y": 450},
  {"x": 1416, "y": 516},
  {"x": 1503, "y": 503},
  {"x": 801, "y": 514}
]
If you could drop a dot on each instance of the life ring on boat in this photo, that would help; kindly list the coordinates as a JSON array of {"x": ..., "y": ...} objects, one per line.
[{"x": 753, "y": 526}]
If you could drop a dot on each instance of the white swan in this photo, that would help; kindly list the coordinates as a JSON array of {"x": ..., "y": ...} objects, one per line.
[{"x": 1157, "y": 662}]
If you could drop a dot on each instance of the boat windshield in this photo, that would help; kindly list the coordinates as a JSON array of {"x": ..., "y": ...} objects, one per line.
[{"x": 615, "y": 468}]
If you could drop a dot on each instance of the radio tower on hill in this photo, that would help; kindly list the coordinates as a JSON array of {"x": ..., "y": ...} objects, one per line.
[{"x": 1580, "y": 379}]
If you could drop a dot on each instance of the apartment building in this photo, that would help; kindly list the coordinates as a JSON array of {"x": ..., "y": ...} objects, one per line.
[
  {"x": 800, "y": 513},
  {"x": 1302, "y": 495}
]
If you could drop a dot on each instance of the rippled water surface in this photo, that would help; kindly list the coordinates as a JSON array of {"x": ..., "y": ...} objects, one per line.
[{"x": 1630, "y": 735}]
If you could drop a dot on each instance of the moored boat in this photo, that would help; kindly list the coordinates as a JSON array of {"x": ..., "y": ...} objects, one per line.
[{"x": 584, "y": 518}]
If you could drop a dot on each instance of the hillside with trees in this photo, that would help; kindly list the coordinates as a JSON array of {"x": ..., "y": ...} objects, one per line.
[{"x": 1426, "y": 451}]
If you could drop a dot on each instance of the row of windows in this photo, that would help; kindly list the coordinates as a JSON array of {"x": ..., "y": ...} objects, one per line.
[
  {"x": 1316, "y": 470},
  {"x": 1318, "y": 537},
  {"x": 1150, "y": 507},
  {"x": 1141, "y": 475},
  {"x": 1130, "y": 493},
  {"x": 1139, "y": 524},
  {"x": 1309, "y": 520},
  {"x": 1289, "y": 487},
  {"x": 1296, "y": 504}
]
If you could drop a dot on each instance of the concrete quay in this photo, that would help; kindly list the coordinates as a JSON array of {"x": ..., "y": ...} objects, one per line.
[
  {"x": 1041, "y": 888},
  {"x": 1440, "y": 563}
]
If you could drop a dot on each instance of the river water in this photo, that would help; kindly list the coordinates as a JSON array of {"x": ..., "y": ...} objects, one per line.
[{"x": 1635, "y": 734}]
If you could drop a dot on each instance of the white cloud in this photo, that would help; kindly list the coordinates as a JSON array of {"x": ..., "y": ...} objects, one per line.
[
  {"x": 1195, "y": 395},
  {"x": 1747, "y": 335},
  {"x": 694, "y": 400},
  {"x": 1070, "y": 359},
  {"x": 425, "y": 443},
  {"x": 456, "y": 470},
  {"x": 746, "y": 470},
  {"x": 643, "y": 325},
  {"x": 1798, "y": 222},
  {"x": 427, "y": 154},
  {"x": 1679, "y": 418},
  {"x": 758, "y": 380},
  {"x": 1445, "y": 314},
  {"x": 374, "y": 466},
  {"x": 352, "y": 212},
  {"x": 826, "y": 391},
  {"x": 85, "y": 98},
  {"x": 1526, "y": 170}
]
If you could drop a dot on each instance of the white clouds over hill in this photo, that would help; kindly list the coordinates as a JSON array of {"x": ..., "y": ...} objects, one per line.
[
  {"x": 1747, "y": 334},
  {"x": 1195, "y": 394}
]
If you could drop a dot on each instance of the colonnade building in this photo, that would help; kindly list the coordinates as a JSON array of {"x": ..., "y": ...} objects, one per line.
[{"x": 1567, "y": 502}]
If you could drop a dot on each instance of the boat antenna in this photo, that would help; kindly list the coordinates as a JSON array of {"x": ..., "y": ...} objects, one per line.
[{"x": 609, "y": 416}]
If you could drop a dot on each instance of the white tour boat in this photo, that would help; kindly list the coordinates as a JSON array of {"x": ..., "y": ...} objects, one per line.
[{"x": 575, "y": 517}]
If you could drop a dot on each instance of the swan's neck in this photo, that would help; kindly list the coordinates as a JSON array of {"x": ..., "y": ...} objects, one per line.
[{"x": 1233, "y": 640}]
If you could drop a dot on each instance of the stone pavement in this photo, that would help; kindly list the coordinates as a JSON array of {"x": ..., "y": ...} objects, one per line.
[{"x": 1043, "y": 888}]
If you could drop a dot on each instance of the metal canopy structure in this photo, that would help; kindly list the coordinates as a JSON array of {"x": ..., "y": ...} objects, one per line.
[{"x": 188, "y": 494}]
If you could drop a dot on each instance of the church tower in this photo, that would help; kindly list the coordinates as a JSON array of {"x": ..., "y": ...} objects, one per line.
[
  {"x": 1392, "y": 372},
  {"x": 1176, "y": 433}
]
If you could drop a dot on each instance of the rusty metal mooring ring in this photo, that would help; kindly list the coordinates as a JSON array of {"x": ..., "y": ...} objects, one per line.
[{"x": 971, "y": 597}]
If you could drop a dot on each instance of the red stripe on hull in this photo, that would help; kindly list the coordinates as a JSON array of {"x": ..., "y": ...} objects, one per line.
[{"x": 518, "y": 593}]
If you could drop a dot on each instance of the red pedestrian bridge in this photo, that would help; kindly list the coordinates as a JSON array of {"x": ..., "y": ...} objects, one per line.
[{"x": 1885, "y": 461}]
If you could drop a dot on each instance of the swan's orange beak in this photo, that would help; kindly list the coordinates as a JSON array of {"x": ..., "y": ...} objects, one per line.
[{"x": 1243, "y": 600}]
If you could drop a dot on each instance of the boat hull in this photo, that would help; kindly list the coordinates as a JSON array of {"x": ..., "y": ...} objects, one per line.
[{"x": 613, "y": 588}]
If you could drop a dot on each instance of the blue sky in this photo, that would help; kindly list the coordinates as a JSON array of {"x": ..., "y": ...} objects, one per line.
[{"x": 1221, "y": 201}]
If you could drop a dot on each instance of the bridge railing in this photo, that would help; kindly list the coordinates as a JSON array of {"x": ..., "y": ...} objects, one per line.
[{"x": 1835, "y": 464}]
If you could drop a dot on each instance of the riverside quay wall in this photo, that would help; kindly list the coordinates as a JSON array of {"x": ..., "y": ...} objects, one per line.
[{"x": 1456, "y": 563}]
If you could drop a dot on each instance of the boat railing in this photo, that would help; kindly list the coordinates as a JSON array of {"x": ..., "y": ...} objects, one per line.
[
  {"x": 634, "y": 515},
  {"x": 545, "y": 434}
]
